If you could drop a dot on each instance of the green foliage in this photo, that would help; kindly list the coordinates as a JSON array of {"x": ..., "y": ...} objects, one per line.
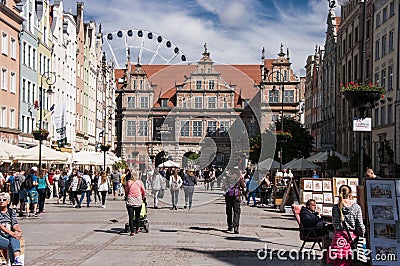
[
  {"x": 334, "y": 163},
  {"x": 120, "y": 165},
  {"x": 301, "y": 143},
  {"x": 299, "y": 146},
  {"x": 354, "y": 162},
  {"x": 193, "y": 156}
]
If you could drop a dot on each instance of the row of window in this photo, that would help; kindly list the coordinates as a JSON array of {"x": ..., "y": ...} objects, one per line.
[
  {"x": 7, "y": 121},
  {"x": 131, "y": 129},
  {"x": 382, "y": 51},
  {"x": 6, "y": 79},
  {"x": 27, "y": 124},
  {"x": 288, "y": 96},
  {"x": 381, "y": 17},
  {"x": 383, "y": 116},
  {"x": 140, "y": 128},
  {"x": 198, "y": 102},
  {"x": 380, "y": 78},
  {"x": 211, "y": 85},
  {"x": 7, "y": 46}
]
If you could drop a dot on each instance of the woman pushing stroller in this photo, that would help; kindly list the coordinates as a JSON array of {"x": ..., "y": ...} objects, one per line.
[{"x": 135, "y": 194}]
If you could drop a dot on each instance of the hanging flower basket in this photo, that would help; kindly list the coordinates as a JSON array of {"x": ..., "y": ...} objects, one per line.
[
  {"x": 105, "y": 147},
  {"x": 135, "y": 153},
  {"x": 40, "y": 134},
  {"x": 152, "y": 156},
  {"x": 362, "y": 96},
  {"x": 283, "y": 136}
]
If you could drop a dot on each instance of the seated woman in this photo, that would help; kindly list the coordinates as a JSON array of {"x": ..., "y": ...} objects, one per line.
[{"x": 10, "y": 232}]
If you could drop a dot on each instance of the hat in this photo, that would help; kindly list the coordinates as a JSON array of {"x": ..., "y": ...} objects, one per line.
[{"x": 34, "y": 169}]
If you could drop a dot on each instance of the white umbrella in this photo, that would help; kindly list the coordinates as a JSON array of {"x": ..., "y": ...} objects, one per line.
[
  {"x": 300, "y": 164},
  {"x": 16, "y": 153},
  {"x": 169, "y": 163},
  {"x": 323, "y": 156},
  {"x": 49, "y": 154},
  {"x": 267, "y": 164}
]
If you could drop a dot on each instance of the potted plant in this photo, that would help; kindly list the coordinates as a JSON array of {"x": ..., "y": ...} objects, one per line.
[
  {"x": 361, "y": 95},
  {"x": 40, "y": 134},
  {"x": 105, "y": 147},
  {"x": 283, "y": 136}
]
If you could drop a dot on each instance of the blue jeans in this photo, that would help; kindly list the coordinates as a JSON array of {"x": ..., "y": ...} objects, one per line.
[
  {"x": 11, "y": 244},
  {"x": 87, "y": 192},
  {"x": 174, "y": 197},
  {"x": 252, "y": 195},
  {"x": 189, "y": 190}
]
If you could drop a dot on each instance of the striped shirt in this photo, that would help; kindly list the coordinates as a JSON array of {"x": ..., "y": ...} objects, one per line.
[
  {"x": 352, "y": 217},
  {"x": 8, "y": 221}
]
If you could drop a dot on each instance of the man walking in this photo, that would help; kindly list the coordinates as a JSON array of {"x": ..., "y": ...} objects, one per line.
[
  {"x": 115, "y": 179},
  {"x": 233, "y": 185}
]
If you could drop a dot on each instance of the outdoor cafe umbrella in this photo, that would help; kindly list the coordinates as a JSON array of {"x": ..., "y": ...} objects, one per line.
[
  {"x": 300, "y": 164},
  {"x": 267, "y": 164},
  {"x": 323, "y": 157},
  {"x": 15, "y": 153},
  {"x": 169, "y": 163}
]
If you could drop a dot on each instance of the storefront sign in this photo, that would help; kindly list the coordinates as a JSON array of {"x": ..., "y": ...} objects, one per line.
[{"x": 362, "y": 124}]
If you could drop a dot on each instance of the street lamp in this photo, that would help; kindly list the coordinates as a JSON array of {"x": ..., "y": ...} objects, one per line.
[
  {"x": 280, "y": 81},
  {"x": 47, "y": 76}
]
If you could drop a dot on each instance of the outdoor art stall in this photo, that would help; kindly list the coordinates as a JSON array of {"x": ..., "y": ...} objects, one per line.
[{"x": 383, "y": 225}]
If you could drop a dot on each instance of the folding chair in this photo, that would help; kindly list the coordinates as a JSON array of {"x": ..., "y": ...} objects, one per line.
[{"x": 309, "y": 234}]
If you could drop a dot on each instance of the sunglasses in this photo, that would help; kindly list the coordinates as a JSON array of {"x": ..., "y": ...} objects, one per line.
[{"x": 3, "y": 200}]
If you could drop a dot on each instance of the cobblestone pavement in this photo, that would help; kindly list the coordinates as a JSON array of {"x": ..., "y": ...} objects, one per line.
[{"x": 95, "y": 236}]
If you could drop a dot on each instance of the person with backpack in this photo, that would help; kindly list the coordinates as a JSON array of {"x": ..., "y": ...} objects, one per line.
[
  {"x": 84, "y": 188},
  {"x": 32, "y": 196},
  {"x": 115, "y": 177},
  {"x": 62, "y": 187},
  {"x": 233, "y": 185}
]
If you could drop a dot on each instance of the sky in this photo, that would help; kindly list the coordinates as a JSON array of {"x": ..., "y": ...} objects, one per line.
[{"x": 235, "y": 30}]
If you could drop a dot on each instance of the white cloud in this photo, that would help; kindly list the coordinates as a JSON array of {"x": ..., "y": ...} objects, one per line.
[{"x": 235, "y": 30}]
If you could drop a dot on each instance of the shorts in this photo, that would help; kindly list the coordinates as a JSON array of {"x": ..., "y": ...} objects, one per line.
[
  {"x": 32, "y": 196},
  {"x": 15, "y": 198},
  {"x": 22, "y": 194},
  {"x": 115, "y": 186}
]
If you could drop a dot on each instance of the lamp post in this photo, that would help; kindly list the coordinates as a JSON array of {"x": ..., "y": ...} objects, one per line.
[
  {"x": 280, "y": 81},
  {"x": 47, "y": 76},
  {"x": 105, "y": 147}
]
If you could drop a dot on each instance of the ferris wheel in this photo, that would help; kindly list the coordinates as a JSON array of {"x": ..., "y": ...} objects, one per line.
[{"x": 143, "y": 46}]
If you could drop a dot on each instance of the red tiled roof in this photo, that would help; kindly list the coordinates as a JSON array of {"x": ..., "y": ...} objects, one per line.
[{"x": 166, "y": 77}]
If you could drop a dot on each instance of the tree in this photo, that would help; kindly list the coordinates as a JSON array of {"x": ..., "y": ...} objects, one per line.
[
  {"x": 334, "y": 163},
  {"x": 299, "y": 146}
]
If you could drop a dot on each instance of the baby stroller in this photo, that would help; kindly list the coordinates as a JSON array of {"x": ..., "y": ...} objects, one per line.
[{"x": 144, "y": 223}]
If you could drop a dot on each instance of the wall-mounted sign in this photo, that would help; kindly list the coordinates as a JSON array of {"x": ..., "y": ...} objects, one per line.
[
  {"x": 164, "y": 129},
  {"x": 362, "y": 124}
]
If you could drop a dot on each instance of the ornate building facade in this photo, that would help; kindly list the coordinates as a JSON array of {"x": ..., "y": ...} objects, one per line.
[{"x": 173, "y": 111}]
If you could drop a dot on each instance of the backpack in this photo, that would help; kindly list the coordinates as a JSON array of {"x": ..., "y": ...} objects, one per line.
[
  {"x": 234, "y": 191},
  {"x": 28, "y": 183},
  {"x": 83, "y": 185},
  {"x": 62, "y": 181}
]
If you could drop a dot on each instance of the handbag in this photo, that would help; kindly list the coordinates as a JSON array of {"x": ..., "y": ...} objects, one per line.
[
  {"x": 358, "y": 246},
  {"x": 48, "y": 192},
  {"x": 161, "y": 193}
]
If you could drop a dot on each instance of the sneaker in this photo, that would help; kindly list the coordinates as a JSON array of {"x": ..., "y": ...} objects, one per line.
[
  {"x": 103, "y": 206},
  {"x": 132, "y": 234},
  {"x": 236, "y": 231},
  {"x": 230, "y": 228},
  {"x": 17, "y": 261}
]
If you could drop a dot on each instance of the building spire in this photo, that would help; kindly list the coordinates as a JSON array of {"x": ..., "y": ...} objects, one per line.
[
  {"x": 263, "y": 54},
  {"x": 281, "y": 53},
  {"x": 287, "y": 54}
]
